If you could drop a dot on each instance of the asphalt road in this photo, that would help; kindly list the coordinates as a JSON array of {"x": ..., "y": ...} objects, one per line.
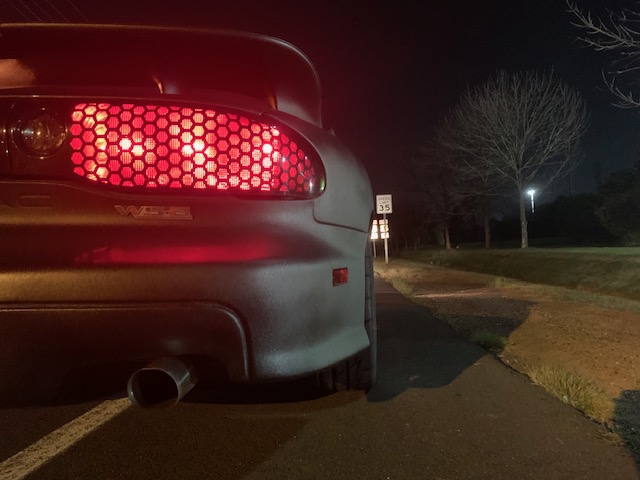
[{"x": 442, "y": 409}]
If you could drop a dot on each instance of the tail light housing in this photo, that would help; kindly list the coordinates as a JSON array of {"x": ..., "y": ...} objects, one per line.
[
  {"x": 158, "y": 147},
  {"x": 40, "y": 133}
]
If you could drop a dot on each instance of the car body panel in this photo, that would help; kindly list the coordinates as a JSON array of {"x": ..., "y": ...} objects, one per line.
[
  {"x": 242, "y": 278},
  {"x": 182, "y": 59}
]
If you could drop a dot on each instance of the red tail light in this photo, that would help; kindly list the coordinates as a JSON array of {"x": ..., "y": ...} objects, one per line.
[{"x": 168, "y": 147}]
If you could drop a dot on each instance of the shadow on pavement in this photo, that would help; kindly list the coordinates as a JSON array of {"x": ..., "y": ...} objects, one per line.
[
  {"x": 626, "y": 416},
  {"x": 416, "y": 349}
]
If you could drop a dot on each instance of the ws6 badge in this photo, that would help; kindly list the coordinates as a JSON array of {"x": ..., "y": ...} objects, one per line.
[{"x": 149, "y": 212}]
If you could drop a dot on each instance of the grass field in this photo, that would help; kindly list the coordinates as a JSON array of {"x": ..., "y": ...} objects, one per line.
[{"x": 609, "y": 270}]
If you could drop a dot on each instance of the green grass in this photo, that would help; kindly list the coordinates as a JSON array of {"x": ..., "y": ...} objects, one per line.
[
  {"x": 488, "y": 340},
  {"x": 573, "y": 389},
  {"x": 613, "y": 271},
  {"x": 402, "y": 286},
  {"x": 502, "y": 282}
]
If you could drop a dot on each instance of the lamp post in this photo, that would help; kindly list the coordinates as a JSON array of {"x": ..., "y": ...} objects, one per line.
[{"x": 531, "y": 193}]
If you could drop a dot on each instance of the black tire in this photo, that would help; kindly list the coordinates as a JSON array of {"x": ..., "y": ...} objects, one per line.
[{"x": 358, "y": 372}]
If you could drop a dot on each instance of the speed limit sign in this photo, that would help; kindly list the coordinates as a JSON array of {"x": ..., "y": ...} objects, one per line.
[{"x": 383, "y": 204}]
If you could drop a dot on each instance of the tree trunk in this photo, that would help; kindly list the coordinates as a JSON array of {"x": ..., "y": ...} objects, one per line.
[
  {"x": 524, "y": 234},
  {"x": 487, "y": 229},
  {"x": 447, "y": 238}
]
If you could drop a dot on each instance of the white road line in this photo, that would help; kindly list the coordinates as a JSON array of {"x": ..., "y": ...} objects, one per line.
[{"x": 34, "y": 456}]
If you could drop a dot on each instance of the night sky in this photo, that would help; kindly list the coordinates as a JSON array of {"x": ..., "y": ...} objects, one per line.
[{"x": 391, "y": 69}]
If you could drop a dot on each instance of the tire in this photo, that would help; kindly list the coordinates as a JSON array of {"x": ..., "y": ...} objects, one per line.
[{"x": 358, "y": 372}]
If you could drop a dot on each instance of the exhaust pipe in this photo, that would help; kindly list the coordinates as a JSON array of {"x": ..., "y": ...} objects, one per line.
[{"x": 162, "y": 383}]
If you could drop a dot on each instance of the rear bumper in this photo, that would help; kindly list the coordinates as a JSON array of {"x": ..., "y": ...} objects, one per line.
[
  {"x": 111, "y": 333},
  {"x": 265, "y": 321}
]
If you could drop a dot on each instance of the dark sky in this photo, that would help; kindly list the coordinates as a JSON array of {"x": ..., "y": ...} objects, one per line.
[{"x": 391, "y": 69}]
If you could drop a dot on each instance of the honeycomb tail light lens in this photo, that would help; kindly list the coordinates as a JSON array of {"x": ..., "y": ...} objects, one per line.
[{"x": 170, "y": 147}]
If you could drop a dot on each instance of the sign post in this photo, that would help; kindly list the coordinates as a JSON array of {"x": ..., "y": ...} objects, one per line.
[
  {"x": 383, "y": 206},
  {"x": 375, "y": 235}
]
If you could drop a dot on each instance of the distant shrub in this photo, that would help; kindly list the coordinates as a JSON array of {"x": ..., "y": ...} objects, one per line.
[
  {"x": 619, "y": 206},
  {"x": 576, "y": 219}
]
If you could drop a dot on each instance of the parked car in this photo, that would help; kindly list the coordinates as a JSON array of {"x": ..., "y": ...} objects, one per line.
[{"x": 170, "y": 196}]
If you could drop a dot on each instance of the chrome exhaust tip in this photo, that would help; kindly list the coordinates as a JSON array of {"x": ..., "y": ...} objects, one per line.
[{"x": 162, "y": 383}]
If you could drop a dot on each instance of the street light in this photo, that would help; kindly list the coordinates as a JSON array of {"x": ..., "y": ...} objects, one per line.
[{"x": 532, "y": 192}]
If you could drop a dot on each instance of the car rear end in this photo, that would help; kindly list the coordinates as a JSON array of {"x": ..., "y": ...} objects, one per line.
[{"x": 172, "y": 193}]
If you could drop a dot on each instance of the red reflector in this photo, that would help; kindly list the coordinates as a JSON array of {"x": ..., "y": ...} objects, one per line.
[
  {"x": 169, "y": 147},
  {"x": 340, "y": 276}
]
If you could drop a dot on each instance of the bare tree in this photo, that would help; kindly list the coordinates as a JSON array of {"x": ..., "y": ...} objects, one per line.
[
  {"x": 438, "y": 179},
  {"x": 477, "y": 179},
  {"x": 522, "y": 128},
  {"x": 619, "y": 35}
]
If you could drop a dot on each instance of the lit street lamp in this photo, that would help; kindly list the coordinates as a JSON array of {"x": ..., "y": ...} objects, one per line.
[{"x": 532, "y": 193}]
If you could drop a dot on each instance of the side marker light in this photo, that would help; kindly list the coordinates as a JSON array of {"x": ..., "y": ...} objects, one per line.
[{"x": 340, "y": 276}]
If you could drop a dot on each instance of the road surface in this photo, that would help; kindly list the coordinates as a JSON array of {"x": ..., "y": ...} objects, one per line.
[{"x": 442, "y": 409}]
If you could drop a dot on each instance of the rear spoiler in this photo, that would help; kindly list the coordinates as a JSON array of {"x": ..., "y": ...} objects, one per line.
[{"x": 245, "y": 63}]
